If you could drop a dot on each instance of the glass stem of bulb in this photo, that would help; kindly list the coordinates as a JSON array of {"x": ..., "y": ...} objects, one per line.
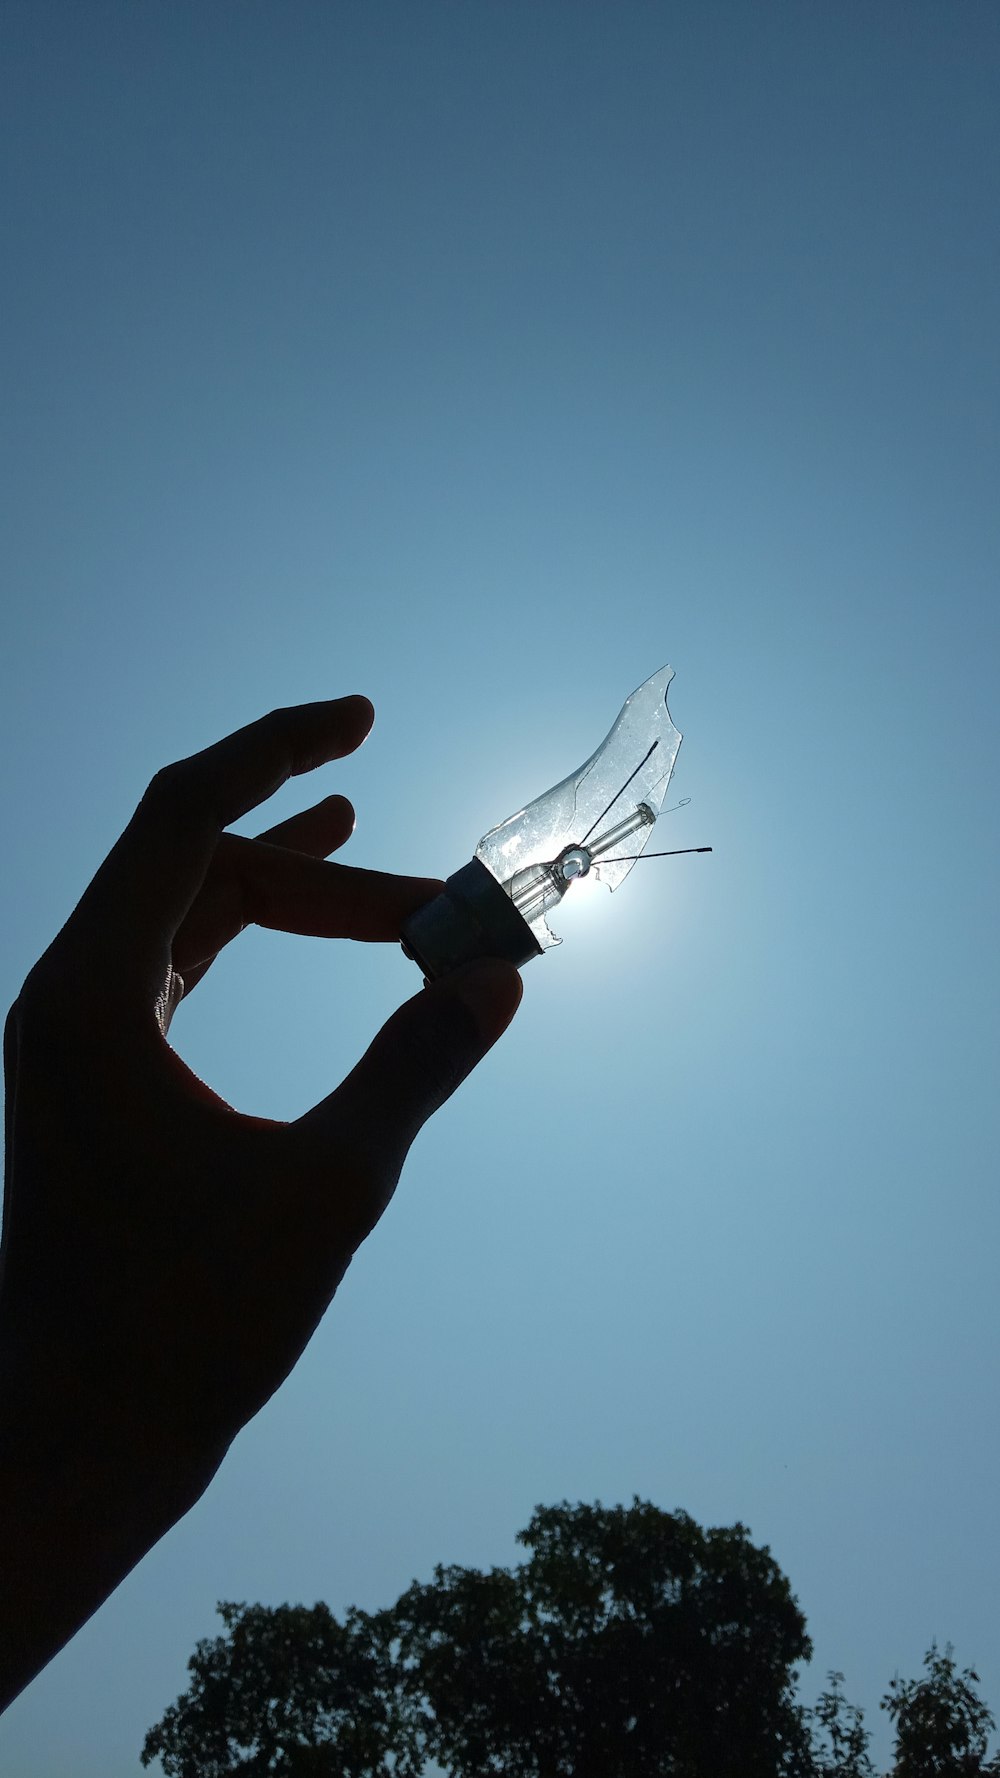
[
  {"x": 535, "y": 890},
  {"x": 623, "y": 830}
]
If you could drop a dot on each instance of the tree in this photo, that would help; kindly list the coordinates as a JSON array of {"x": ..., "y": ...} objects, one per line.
[
  {"x": 840, "y": 1740},
  {"x": 942, "y": 1724},
  {"x": 631, "y": 1642},
  {"x": 289, "y": 1691}
]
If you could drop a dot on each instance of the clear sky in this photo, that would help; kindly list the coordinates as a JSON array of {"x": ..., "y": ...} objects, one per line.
[{"x": 482, "y": 358}]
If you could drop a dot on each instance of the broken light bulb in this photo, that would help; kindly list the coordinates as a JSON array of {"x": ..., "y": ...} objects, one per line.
[{"x": 598, "y": 819}]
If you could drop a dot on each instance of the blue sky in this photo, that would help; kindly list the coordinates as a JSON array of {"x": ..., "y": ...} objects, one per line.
[{"x": 482, "y": 358}]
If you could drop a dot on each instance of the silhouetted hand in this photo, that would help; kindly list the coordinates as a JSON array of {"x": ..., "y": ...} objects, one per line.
[{"x": 166, "y": 1259}]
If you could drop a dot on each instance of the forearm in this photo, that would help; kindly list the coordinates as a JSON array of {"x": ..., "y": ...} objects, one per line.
[{"x": 75, "y": 1518}]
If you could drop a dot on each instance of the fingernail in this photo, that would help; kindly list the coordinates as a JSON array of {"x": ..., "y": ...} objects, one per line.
[{"x": 491, "y": 990}]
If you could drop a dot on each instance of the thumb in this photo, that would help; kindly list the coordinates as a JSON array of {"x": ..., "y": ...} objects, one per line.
[{"x": 414, "y": 1064}]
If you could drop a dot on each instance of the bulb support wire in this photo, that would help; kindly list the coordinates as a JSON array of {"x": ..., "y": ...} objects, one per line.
[
  {"x": 634, "y": 857},
  {"x": 617, "y": 794},
  {"x": 637, "y": 857}
]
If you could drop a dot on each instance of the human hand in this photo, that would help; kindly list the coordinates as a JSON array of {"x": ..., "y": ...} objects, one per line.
[{"x": 165, "y": 1259}]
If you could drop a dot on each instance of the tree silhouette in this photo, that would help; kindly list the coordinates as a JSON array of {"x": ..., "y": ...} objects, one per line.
[
  {"x": 942, "y": 1724},
  {"x": 629, "y": 1643},
  {"x": 289, "y": 1690},
  {"x": 840, "y": 1740}
]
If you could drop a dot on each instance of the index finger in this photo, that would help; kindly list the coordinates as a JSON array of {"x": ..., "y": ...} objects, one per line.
[{"x": 149, "y": 879}]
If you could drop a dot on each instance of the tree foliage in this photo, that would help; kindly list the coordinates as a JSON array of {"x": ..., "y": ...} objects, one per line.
[
  {"x": 629, "y": 1643},
  {"x": 840, "y": 1740},
  {"x": 289, "y": 1691},
  {"x": 942, "y": 1724}
]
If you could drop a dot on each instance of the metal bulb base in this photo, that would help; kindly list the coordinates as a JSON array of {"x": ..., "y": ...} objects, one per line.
[{"x": 473, "y": 917}]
